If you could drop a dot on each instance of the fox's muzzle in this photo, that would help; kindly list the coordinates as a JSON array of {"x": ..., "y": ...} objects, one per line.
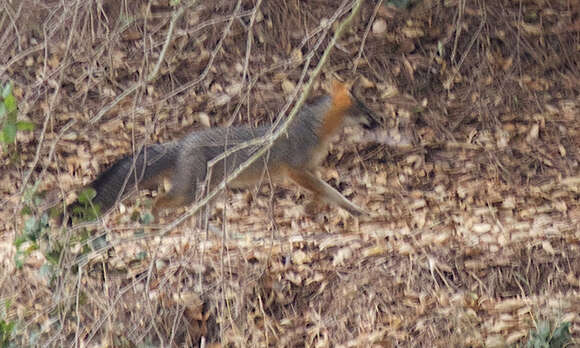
[{"x": 369, "y": 119}]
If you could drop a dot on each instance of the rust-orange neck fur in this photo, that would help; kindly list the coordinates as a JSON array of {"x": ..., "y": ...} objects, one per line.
[{"x": 333, "y": 118}]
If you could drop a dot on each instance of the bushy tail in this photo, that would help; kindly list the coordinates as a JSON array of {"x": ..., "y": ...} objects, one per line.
[{"x": 127, "y": 174}]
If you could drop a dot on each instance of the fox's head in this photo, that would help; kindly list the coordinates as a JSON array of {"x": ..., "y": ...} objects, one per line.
[{"x": 355, "y": 111}]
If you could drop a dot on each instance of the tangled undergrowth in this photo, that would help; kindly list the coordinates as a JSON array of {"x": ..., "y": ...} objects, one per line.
[{"x": 473, "y": 180}]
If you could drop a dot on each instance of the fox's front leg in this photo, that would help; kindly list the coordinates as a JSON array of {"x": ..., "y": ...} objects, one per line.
[{"x": 323, "y": 191}]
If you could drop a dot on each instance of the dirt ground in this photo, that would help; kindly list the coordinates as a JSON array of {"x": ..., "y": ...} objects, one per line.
[{"x": 472, "y": 181}]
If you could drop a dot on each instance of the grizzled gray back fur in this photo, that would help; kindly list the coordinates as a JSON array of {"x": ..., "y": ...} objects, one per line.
[{"x": 294, "y": 148}]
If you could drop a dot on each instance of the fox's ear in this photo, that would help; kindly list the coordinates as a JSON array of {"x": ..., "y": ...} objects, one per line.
[
  {"x": 338, "y": 86},
  {"x": 340, "y": 92}
]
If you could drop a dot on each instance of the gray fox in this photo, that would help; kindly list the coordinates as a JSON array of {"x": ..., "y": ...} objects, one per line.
[{"x": 295, "y": 155}]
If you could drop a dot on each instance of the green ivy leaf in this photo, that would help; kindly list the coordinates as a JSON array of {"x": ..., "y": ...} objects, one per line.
[
  {"x": 25, "y": 126},
  {"x": 18, "y": 241},
  {"x": 46, "y": 271},
  {"x": 99, "y": 243},
  {"x": 7, "y": 90},
  {"x": 544, "y": 330},
  {"x": 147, "y": 218},
  {"x": 26, "y": 210},
  {"x": 19, "y": 259},
  {"x": 10, "y": 103},
  {"x": 87, "y": 195},
  {"x": 9, "y": 133},
  {"x": 32, "y": 228},
  {"x": 6, "y": 330},
  {"x": 53, "y": 257},
  {"x": 561, "y": 336}
]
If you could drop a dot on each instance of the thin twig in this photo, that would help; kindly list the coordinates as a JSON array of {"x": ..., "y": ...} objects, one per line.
[
  {"x": 176, "y": 16},
  {"x": 149, "y": 78},
  {"x": 212, "y": 57},
  {"x": 469, "y": 46},
  {"x": 249, "y": 40},
  {"x": 214, "y": 21},
  {"x": 51, "y": 106},
  {"x": 13, "y": 20},
  {"x": 460, "y": 10},
  {"x": 366, "y": 34}
]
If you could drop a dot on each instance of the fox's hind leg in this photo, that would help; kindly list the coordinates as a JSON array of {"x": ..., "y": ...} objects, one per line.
[{"x": 191, "y": 170}]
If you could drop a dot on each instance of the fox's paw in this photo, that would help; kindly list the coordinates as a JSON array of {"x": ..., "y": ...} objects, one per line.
[{"x": 357, "y": 211}]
